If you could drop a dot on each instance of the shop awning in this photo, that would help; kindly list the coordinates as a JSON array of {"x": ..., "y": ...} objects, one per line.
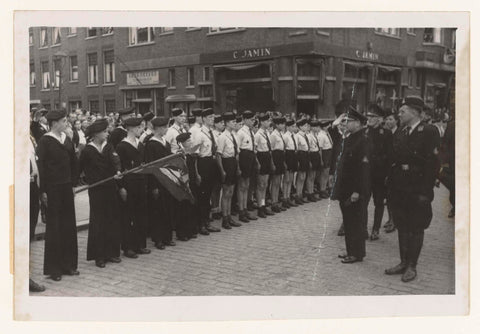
[
  {"x": 242, "y": 66},
  {"x": 308, "y": 97},
  {"x": 389, "y": 68},
  {"x": 357, "y": 64},
  {"x": 181, "y": 98},
  {"x": 142, "y": 100},
  {"x": 142, "y": 87}
]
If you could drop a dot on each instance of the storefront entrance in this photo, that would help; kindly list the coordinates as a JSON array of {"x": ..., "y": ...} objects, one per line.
[
  {"x": 306, "y": 107},
  {"x": 256, "y": 97}
]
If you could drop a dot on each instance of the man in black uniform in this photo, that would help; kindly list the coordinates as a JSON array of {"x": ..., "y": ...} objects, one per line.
[
  {"x": 412, "y": 179},
  {"x": 57, "y": 166},
  {"x": 351, "y": 187},
  {"x": 379, "y": 144},
  {"x": 117, "y": 135}
]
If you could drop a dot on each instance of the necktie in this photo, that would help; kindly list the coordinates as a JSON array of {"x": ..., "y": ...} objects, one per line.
[
  {"x": 316, "y": 141},
  {"x": 406, "y": 131},
  {"x": 283, "y": 140},
  {"x": 253, "y": 140},
  {"x": 294, "y": 142},
  {"x": 268, "y": 141},
  {"x": 214, "y": 145},
  {"x": 235, "y": 147},
  {"x": 306, "y": 139},
  {"x": 329, "y": 138}
]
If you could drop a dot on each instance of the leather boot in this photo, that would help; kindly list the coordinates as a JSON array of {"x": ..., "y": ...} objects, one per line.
[
  {"x": 226, "y": 223},
  {"x": 403, "y": 247},
  {"x": 250, "y": 216},
  {"x": 268, "y": 211},
  {"x": 242, "y": 216},
  {"x": 233, "y": 222},
  {"x": 292, "y": 203},
  {"x": 210, "y": 228},
  {"x": 415, "y": 243},
  {"x": 276, "y": 208},
  {"x": 261, "y": 212}
]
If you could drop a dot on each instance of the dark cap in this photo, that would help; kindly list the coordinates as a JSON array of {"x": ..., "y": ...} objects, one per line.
[
  {"x": 279, "y": 120},
  {"x": 191, "y": 119},
  {"x": 40, "y": 113},
  {"x": 247, "y": 114},
  {"x": 98, "y": 126},
  {"x": 302, "y": 122},
  {"x": 413, "y": 101},
  {"x": 133, "y": 121},
  {"x": 218, "y": 119},
  {"x": 263, "y": 117},
  {"x": 126, "y": 111},
  {"x": 207, "y": 112},
  {"x": 183, "y": 137},
  {"x": 325, "y": 123},
  {"x": 177, "y": 112},
  {"x": 55, "y": 115},
  {"x": 228, "y": 117},
  {"x": 197, "y": 112},
  {"x": 239, "y": 119},
  {"x": 148, "y": 116},
  {"x": 290, "y": 122},
  {"x": 314, "y": 123},
  {"x": 159, "y": 121},
  {"x": 354, "y": 114},
  {"x": 375, "y": 109}
]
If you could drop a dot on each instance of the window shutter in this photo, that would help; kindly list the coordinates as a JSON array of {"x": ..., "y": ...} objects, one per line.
[
  {"x": 92, "y": 59},
  {"x": 109, "y": 57}
]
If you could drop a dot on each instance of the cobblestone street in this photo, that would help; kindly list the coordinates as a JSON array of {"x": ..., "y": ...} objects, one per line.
[{"x": 279, "y": 255}]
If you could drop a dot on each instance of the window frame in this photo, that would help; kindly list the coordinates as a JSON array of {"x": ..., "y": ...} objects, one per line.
[
  {"x": 107, "y": 34},
  {"x": 190, "y": 77},
  {"x": 70, "y": 33},
  {"x": 150, "y": 36},
  {"x": 34, "y": 77},
  {"x": 56, "y": 30},
  {"x": 162, "y": 30},
  {"x": 43, "y": 45},
  {"x": 87, "y": 31},
  {"x": 71, "y": 68},
  {"x": 209, "y": 74},
  {"x": 433, "y": 42},
  {"x": 90, "y": 106},
  {"x": 388, "y": 32},
  {"x": 95, "y": 67},
  {"x": 223, "y": 30},
  {"x": 171, "y": 78},
  {"x": 411, "y": 31},
  {"x": 57, "y": 73},
  {"x": 110, "y": 66},
  {"x": 30, "y": 37},
  {"x": 46, "y": 75}
]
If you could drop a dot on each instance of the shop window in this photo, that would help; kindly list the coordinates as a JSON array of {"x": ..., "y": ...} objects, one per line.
[
  {"x": 106, "y": 30},
  {"x": 171, "y": 78},
  {"x": 73, "y": 68},
  {"x": 251, "y": 72},
  {"x": 355, "y": 72},
  {"x": 72, "y": 31},
  {"x": 94, "y": 106},
  {"x": 308, "y": 87},
  {"x": 129, "y": 96},
  {"x": 92, "y": 69},
  {"x": 388, "y": 31},
  {"x": 144, "y": 94},
  {"x": 43, "y": 37},
  {"x": 30, "y": 36},
  {"x": 166, "y": 30},
  {"x": 57, "y": 38},
  {"x": 190, "y": 77},
  {"x": 109, "y": 66},
  {"x": 419, "y": 79},
  {"x": 140, "y": 35},
  {"x": 222, "y": 29},
  {"x": 45, "y": 75},
  {"x": 206, "y": 74},
  {"x": 109, "y": 106},
  {"x": 432, "y": 35},
  {"x": 307, "y": 69},
  {"x": 410, "y": 77},
  {"x": 32, "y": 74},
  {"x": 386, "y": 75},
  {"x": 91, "y": 32},
  {"x": 74, "y": 105},
  {"x": 56, "y": 72},
  {"x": 160, "y": 102}
]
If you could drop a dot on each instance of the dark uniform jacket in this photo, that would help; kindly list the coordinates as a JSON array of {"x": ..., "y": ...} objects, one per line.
[
  {"x": 415, "y": 161},
  {"x": 353, "y": 168},
  {"x": 99, "y": 166},
  {"x": 37, "y": 130},
  {"x": 379, "y": 146},
  {"x": 117, "y": 135}
]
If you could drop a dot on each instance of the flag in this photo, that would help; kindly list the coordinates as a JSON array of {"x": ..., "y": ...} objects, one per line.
[{"x": 172, "y": 173}]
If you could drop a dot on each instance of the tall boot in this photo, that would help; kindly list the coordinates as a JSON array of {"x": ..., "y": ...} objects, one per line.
[
  {"x": 414, "y": 248},
  {"x": 403, "y": 247}
]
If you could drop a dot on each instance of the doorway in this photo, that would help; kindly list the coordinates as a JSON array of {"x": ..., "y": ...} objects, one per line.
[{"x": 307, "y": 107}]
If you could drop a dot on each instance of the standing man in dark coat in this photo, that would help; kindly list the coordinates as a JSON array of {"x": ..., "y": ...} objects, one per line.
[
  {"x": 351, "y": 185},
  {"x": 39, "y": 125},
  {"x": 379, "y": 145},
  {"x": 133, "y": 192},
  {"x": 99, "y": 161},
  {"x": 119, "y": 133},
  {"x": 160, "y": 201},
  {"x": 411, "y": 184},
  {"x": 57, "y": 166}
]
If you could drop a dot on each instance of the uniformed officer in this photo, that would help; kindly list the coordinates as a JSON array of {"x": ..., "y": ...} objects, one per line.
[
  {"x": 247, "y": 163},
  {"x": 391, "y": 123},
  {"x": 379, "y": 144},
  {"x": 58, "y": 170},
  {"x": 350, "y": 187},
  {"x": 133, "y": 191},
  {"x": 291, "y": 161},
  {"x": 227, "y": 159},
  {"x": 303, "y": 147},
  {"x": 264, "y": 157},
  {"x": 99, "y": 161},
  {"x": 278, "y": 156},
  {"x": 411, "y": 184},
  {"x": 117, "y": 135}
]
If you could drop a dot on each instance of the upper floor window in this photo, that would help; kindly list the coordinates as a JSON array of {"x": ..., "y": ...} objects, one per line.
[
  {"x": 432, "y": 35},
  {"x": 190, "y": 77},
  {"x": 454, "y": 39},
  {"x": 91, "y": 32},
  {"x": 56, "y": 73},
  {"x": 221, "y": 29},
  {"x": 109, "y": 66},
  {"x": 164, "y": 30},
  {"x": 72, "y": 30},
  {"x": 140, "y": 35},
  {"x": 171, "y": 77},
  {"x": 30, "y": 36},
  {"x": 43, "y": 37},
  {"x": 45, "y": 75},
  {"x": 57, "y": 36},
  {"x": 92, "y": 69},
  {"x": 388, "y": 31},
  {"x": 32, "y": 74},
  {"x": 107, "y": 30},
  {"x": 206, "y": 74},
  {"x": 411, "y": 31},
  {"x": 73, "y": 68}
]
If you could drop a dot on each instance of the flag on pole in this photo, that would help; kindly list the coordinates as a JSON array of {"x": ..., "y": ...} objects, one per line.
[{"x": 172, "y": 173}]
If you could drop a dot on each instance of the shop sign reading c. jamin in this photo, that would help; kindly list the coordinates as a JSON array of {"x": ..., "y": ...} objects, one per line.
[
  {"x": 251, "y": 53},
  {"x": 367, "y": 55}
]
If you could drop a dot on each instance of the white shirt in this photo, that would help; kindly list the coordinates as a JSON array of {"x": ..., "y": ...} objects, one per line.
[
  {"x": 99, "y": 149},
  {"x": 412, "y": 127},
  {"x": 171, "y": 137},
  {"x": 133, "y": 143},
  {"x": 324, "y": 140},
  {"x": 161, "y": 140},
  {"x": 81, "y": 137},
  {"x": 62, "y": 138},
  {"x": 261, "y": 140},
  {"x": 205, "y": 141},
  {"x": 290, "y": 142},
  {"x": 245, "y": 137},
  {"x": 226, "y": 146},
  {"x": 301, "y": 140},
  {"x": 312, "y": 140},
  {"x": 276, "y": 140}
]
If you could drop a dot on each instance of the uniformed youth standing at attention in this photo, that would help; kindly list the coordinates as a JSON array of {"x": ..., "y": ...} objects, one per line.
[
  {"x": 351, "y": 187},
  {"x": 218, "y": 128},
  {"x": 314, "y": 155},
  {"x": 99, "y": 161},
  {"x": 291, "y": 161},
  {"x": 133, "y": 192},
  {"x": 304, "y": 165},
  {"x": 411, "y": 183},
  {"x": 278, "y": 156},
  {"x": 227, "y": 159},
  {"x": 326, "y": 145},
  {"x": 117, "y": 135},
  {"x": 58, "y": 171}
]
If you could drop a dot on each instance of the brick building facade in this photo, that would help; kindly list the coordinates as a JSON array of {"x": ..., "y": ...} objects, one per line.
[{"x": 286, "y": 69}]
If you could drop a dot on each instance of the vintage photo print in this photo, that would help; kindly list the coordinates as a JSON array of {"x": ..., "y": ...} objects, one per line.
[{"x": 298, "y": 165}]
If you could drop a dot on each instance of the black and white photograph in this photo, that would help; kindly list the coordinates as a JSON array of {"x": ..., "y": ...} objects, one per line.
[{"x": 282, "y": 160}]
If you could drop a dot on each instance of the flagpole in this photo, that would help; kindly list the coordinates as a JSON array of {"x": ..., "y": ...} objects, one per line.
[{"x": 133, "y": 170}]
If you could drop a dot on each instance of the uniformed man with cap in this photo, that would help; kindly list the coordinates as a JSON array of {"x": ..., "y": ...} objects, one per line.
[
  {"x": 117, "y": 135},
  {"x": 58, "y": 171},
  {"x": 411, "y": 183},
  {"x": 39, "y": 124},
  {"x": 133, "y": 191},
  {"x": 99, "y": 161},
  {"x": 278, "y": 155},
  {"x": 179, "y": 118},
  {"x": 379, "y": 144},
  {"x": 247, "y": 162},
  {"x": 291, "y": 162},
  {"x": 304, "y": 165},
  {"x": 350, "y": 187},
  {"x": 148, "y": 132},
  {"x": 218, "y": 128},
  {"x": 160, "y": 201},
  {"x": 326, "y": 144}
]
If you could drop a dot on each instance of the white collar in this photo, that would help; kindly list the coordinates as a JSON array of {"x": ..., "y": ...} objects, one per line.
[
  {"x": 414, "y": 126},
  {"x": 100, "y": 150},
  {"x": 133, "y": 144},
  {"x": 62, "y": 138},
  {"x": 161, "y": 140}
]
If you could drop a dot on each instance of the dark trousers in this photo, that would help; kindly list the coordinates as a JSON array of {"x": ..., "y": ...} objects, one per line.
[
  {"x": 379, "y": 193},
  {"x": 161, "y": 218},
  {"x": 352, "y": 220},
  {"x": 134, "y": 217},
  {"x": 34, "y": 208},
  {"x": 206, "y": 168},
  {"x": 61, "y": 250}
]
